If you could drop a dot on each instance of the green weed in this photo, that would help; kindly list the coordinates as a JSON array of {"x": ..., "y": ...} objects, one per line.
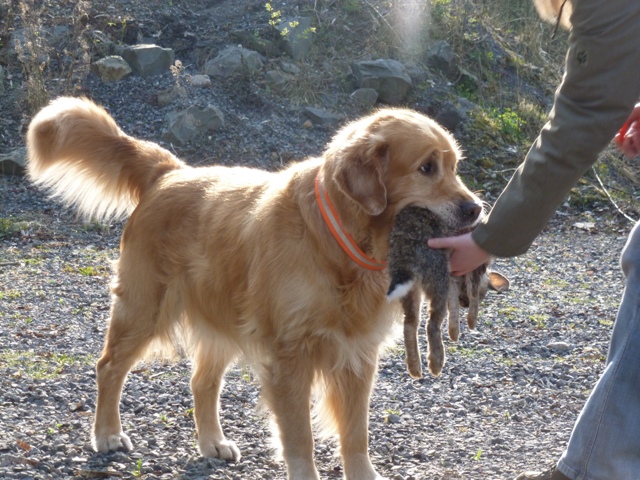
[
  {"x": 137, "y": 471},
  {"x": 41, "y": 366}
]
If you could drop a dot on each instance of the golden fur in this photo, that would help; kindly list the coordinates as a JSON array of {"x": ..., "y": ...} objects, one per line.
[
  {"x": 240, "y": 263},
  {"x": 549, "y": 10}
]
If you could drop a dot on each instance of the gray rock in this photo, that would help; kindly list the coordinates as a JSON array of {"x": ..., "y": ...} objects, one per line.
[
  {"x": 559, "y": 347},
  {"x": 387, "y": 77},
  {"x": 465, "y": 105},
  {"x": 200, "y": 81},
  {"x": 253, "y": 42},
  {"x": 289, "y": 67},
  {"x": 442, "y": 58},
  {"x": 147, "y": 60},
  {"x": 276, "y": 78},
  {"x": 185, "y": 125},
  {"x": 394, "y": 418},
  {"x": 13, "y": 163},
  {"x": 321, "y": 117},
  {"x": 1, "y": 80},
  {"x": 365, "y": 97},
  {"x": 296, "y": 35},
  {"x": 171, "y": 94},
  {"x": 450, "y": 117},
  {"x": 55, "y": 37},
  {"x": 233, "y": 60},
  {"x": 111, "y": 69}
]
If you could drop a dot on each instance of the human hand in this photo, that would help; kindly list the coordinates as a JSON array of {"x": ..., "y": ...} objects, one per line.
[
  {"x": 466, "y": 254},
  {"x": 628, "y": 138}
]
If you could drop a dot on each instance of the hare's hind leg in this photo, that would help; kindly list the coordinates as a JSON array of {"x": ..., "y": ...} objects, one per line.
[
  {"x": 453, "y": 301},
  {"x": 472, "y": 281},
  {"x": 411, "y": 304},
  {"x": 437, "y": 313}
]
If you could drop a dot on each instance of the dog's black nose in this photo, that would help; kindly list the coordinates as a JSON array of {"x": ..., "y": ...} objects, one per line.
[{"x": 470, "y": 210}]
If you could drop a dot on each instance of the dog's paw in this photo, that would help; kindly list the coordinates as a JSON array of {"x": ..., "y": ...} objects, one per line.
[
  {"x": 359, "y": 467},
  {"x": 223, "y": 449},
  {"x": 107, "y": 443}
]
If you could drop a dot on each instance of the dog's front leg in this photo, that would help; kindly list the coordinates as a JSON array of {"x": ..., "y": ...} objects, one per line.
[
  {"x": 347, "y": 399},
  {"x": 210, "y": 363},
  {"x": 287, "y": 390}
]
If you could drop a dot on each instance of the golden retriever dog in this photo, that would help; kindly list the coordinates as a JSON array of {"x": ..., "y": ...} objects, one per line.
[{"x": 285, "y": 269}]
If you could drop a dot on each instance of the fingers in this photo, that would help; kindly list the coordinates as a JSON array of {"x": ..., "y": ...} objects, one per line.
[
  {"x": 635, "y": 115},
  {"x": 628, "y": 137},
  {"x": 466, "y": 255},
  {"x": 441, "y": 242},
  {"x": 629, "y": 142}
]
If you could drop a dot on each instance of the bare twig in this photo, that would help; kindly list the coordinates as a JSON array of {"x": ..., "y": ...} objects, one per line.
[{"x": 613, "y": 202}]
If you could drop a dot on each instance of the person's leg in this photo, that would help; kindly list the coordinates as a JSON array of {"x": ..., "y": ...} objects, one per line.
[{"x": 605, "y": 442}]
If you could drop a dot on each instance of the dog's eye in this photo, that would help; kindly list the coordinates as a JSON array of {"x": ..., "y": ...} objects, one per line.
[{"x": 428, "y": 168}]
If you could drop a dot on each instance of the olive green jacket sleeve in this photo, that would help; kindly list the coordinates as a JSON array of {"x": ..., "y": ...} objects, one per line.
[{"x": 598, "y": 91}]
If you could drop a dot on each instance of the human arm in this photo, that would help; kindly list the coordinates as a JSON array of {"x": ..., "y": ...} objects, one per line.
[
  {"x": 599, "y": 89},
  {"x": 467, "y": 255}
]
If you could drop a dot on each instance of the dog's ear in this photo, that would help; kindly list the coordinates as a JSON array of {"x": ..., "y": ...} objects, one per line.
[
  {"x": 498, "y": 282},
  {"x": 360, "y": 175}
]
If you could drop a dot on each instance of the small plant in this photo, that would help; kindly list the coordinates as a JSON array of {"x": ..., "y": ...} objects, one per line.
[
  {"x": 137, "y": 471},
  {"x": 10, "y": 295},
  {"x": 88, "y": 271},
  {"x": 478, "y": 454},
  {"x": 246, "y": 373},
  {"x": 11, "y": 226},
  {"x": 389, "y": 412},
  {"x": 164, "y": 419},
  {"x": 177, "y": 71},
  {"x": 275, "y": 16},
  {"x": 275, "y": 20},
  {"x": 539, "y": 321}
]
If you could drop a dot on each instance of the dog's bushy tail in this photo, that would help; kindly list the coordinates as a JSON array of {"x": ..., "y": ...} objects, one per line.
[{"x": 78, "y": 152}]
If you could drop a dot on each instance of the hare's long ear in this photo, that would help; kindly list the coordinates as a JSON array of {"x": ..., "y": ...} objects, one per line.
[
  {"x": 498, "y": 282},
  {"x": 360, "y": 173}
]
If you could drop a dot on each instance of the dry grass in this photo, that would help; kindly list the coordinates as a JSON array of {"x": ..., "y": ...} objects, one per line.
[{"x": 50, "y": 69}]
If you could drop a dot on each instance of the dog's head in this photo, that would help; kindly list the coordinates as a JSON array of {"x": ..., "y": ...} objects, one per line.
[{"x": 398, "y": 157}]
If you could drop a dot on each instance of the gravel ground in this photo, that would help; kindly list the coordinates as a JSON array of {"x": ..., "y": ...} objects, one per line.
[{"x": 506, "y": 400}]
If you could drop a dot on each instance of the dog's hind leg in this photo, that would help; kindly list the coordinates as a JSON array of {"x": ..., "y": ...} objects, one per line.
[
  {"x": 411, "y": 303},
  {"x": 127, "y": 339},
  {"x": 210, "y": 363}
]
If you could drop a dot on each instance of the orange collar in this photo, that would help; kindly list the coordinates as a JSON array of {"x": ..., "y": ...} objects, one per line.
[{"x": 342, "y": 237}]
